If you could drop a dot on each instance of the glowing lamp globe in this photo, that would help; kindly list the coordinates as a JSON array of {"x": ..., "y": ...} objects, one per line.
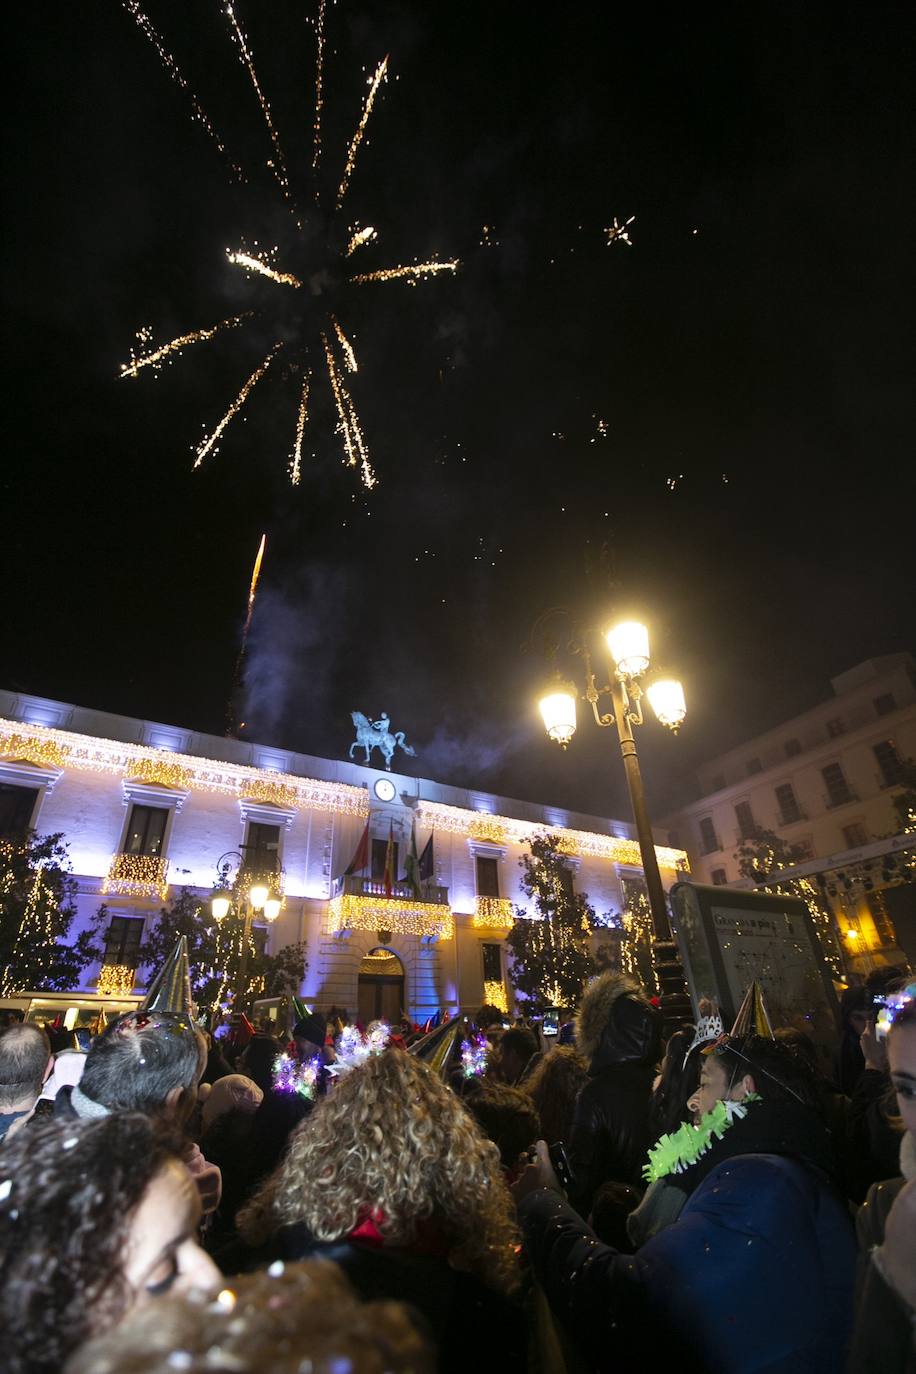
[
  {"x": 219, "y": 905},
  {"x": 558, "y": 709},
  {"x": 667, "y": 701},
  {"x": 629, "y": 646},
  {"x": 272, "y": 908},
  {"x": 258, "y": 895},
  {"x": 852, "y": 934}
]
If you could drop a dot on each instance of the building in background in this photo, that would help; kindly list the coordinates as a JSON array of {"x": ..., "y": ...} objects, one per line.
[
  {"x": 825, "y": 781},
  {"x": 147, "y": 809}
]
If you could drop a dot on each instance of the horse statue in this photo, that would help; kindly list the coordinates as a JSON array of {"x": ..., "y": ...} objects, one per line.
[{"x": 376, "y": 735}]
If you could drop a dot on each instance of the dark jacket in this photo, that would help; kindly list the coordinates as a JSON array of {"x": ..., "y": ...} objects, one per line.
[
  {"x": 755, "y": 1275},
  {"x": 884, "y": 1336},
  {"x": 619, "y": 1033},
  {"x": 472, "y": 1326}
]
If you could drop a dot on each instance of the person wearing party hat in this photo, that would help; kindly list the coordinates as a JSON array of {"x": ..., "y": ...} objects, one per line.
[{"x": 758, "y": 1271}]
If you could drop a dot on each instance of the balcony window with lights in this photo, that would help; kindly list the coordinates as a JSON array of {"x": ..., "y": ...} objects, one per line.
[
  {"x": 890, "y": 763},
  {"x": 789, "y": 810},
  {"x": 145, "y": 831},
  {"x": 122, "y": 941},
  {"x": 719, "y": 877},
  {"x": 747, "y": 826},
  {"x": 487, "y": 876},
  {"x": 262, "y": 847},
  {"x": 709, "y": 840},
  {"x": 17, "y": 807}
]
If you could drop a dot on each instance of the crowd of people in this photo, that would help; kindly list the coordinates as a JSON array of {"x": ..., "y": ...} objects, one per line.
[{"x": 333, "y": 1202}]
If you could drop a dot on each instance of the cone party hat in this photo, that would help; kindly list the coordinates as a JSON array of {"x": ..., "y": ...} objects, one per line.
[
  {"x": 752, "y": 1018},
  {"x": 170, "y": 990}
]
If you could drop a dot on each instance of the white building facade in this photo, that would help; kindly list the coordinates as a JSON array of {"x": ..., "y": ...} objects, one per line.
[
  {"x": 826, "y": 781},
  {"x": 148, "y": 809}
]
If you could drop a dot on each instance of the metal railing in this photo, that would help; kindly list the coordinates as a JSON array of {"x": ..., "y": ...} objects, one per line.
[{"x": 354, "y": 885}]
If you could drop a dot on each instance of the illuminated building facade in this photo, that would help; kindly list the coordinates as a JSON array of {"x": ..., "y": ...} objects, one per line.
[
  {"x": 147, "y": 809},
  {"x": 827, "y": 782}
]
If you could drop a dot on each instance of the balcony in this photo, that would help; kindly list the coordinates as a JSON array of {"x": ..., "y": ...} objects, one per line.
[
  {"x": 359, "y": 903},
  {"x": 137, "y": 875},
  {"x": 116, "y": 980},
  {"x": 493, "y": 913}
]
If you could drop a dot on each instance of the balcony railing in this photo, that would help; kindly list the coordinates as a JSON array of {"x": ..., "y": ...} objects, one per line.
[
  {"x": 137, "y": 875},
  {"x": 494, "y": 913},
  {"x": 353, "y": 885},
  {"x": 116, "y": 980},
  {"x": 363, "y": 904}
]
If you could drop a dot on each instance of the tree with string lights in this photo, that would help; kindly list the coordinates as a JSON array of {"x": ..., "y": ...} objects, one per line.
[
  {"x": 551, "y": 960},
  {"x": 36, "y": 913},
  {"x": 763, "y": 854}
]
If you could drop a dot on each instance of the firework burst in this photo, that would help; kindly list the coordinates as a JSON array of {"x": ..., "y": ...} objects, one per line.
[{"x": 336, "y": 353}]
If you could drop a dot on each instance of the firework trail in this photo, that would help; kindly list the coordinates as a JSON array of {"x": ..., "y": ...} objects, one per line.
[
  {"x": 263, "y": 268},
  {"x": 295, "y": 465},
  {"x": 345, "y": 345},
  {"x": 206, "y": 445},
  {"x": 278, "y": 163},
  {"x": 350, "y": 163},
  {"x": 413, "y": 272},
  {"x": 198, "y": 336},
  {"x": 319, "y": 99}
]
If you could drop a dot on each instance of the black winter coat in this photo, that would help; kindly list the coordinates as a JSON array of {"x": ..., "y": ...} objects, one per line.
[
  {"x": 610, "y": 1136},
  {"x": 883, "y": 1339}
]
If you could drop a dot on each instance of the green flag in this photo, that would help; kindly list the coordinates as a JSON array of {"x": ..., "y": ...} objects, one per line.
[{"x": 412, "y": 864}]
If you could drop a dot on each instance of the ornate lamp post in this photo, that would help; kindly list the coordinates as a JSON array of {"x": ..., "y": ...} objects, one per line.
[
  {"x": 231, "y": 898},
  {"x": 628, "y": 643}
]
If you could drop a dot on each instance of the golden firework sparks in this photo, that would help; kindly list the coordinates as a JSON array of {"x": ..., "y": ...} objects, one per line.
[
  {"x": 345, "y": 345},
  {"x": 357, "y": 139},
  {"x": 295, "y": 465},
  {"x": 264, "y": 269},
  {"x": 348, "y": 421},
  {"x": 278, "y": 162},
  {"x": 196, "y": 336},
  {"x": 413, "y": 272},
  {"x": 359, "y": 237},
  {"x": 207, "y": 444},
  {"x": 256, "y": 573},
  {"x": 319, "y": 99}
]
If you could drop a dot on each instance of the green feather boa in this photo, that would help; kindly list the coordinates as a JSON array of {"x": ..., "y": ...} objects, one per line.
[{"x": 675, "y": 1153}]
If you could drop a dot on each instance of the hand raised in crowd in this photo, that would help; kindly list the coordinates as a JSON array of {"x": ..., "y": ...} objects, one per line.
[
  {"x": 538, "y": 1173},
  {"x": 873, "y": 1049}
]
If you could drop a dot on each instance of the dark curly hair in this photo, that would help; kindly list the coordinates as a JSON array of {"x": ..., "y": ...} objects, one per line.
[{"x": 67, "y": 1193}]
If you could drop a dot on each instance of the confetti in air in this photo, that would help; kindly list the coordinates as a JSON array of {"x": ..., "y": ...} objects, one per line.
[
  {"x": 617, "y": 233},
  {"x": 326, "y": 281}
]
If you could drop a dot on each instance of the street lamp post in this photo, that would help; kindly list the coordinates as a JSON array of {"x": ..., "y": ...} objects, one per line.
[
  {"x": 628, "y": 643},
  {"x": 259, "y": 899}
]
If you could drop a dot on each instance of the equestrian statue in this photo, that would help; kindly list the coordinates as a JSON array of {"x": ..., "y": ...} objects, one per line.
[{"x": 374, "y": 734}]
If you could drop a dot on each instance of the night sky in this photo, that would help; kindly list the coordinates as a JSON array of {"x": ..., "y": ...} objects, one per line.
[{"x": 712, "y": 428}]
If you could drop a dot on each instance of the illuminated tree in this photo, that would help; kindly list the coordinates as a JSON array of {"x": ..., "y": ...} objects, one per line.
[
  {"x": 551, "y": 960},
  {"x": 763, "y": 853},
  {"x": 214, "y": 953},
  {"x": 36, "y": 913}
]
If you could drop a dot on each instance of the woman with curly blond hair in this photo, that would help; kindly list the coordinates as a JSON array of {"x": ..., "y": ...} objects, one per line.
[{"x": 391, "y": 1178}]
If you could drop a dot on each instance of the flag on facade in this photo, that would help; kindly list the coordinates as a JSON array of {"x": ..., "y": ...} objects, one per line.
[
  {"x": 360, "y": 860},
  {"x": 425, "y": 862},
  {"x": 412, "y": 865},
  {"x": 390, "y": 861}
]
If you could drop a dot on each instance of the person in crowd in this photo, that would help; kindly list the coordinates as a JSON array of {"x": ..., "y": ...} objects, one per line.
[
  {"x": 287, "y": 1319},
  {"x": 873, "y": 1127},
  {"x": 856, "y": 1005},
  {"x": 258, "y": 1058},
  {"x": 618, "y": 1032},
  {"x": 676, "y": 1084},
  {"x": 232, "y": 1093},
  {"x": 227, "y": 1124},
  {"x": 390, "y": 1177},
  {"x": 757, "y": 1271},
  {"x": 885, "y": 1333},
  {"x": 508, "y": 1117},
  {"x": 217, "y": 1065},
  {"x": 25, "y": 1063},
  {"x": 96, "y": 1216},
  {"x": 553, "y": 1086},
  {"x": 517, "y": 1048},
  {"x": 146, "y": 1062},
  {"x": 282, "y": 1111}
]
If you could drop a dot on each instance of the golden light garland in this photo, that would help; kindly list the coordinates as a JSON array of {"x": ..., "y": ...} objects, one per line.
[
  {"x": 487, "y": 829},
  {"x": 273, "y": 793},
  {"x": 205, "y": 446},
  {"x": 137, "y": 875},
  {"x": 132, "y": 368},
  {"x": 495, "y": 913},
  {"x": 44, "y": 753},
  {"x": 398, "y": 915},
  {"x": 161, "y": 770},
  {"x": 412, "y": 271},
  {"x": 357, "y": 139},
  {"x": 116, "y": 980},
  {"x": 494, "y": 994}
]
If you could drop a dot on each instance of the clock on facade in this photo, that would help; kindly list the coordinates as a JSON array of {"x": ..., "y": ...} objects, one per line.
[{"x": 385, "y": 790}]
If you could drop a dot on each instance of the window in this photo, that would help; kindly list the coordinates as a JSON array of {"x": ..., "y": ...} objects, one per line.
[
  {"x": 708, "y": 837},
  {"x": 262, "y": 847},
  {"x": 889, "y": 762},
  {"x": 122, "y": 941},
  {"x": 745, "y": 818},
  {"x": 855, "y": 835},
  {"x": 566, "y": 881},
  {"x": 487, "y": 876},
  {"x": 792, "y": 747},
  {"x": 718, "y": 877},
  {"x": 754, "y": 766},
  {"x": 885, "y": 703},
  {"x": 145, "y": 830},
  {"x": 835, "y": 727},
  {"x": 379, "y": 852},
  {"x": 492, "y": 963},
  {"x": 16, "y": 807},
  {"x": 838, "y": 792},
  {"x": 788, "y": 804}
]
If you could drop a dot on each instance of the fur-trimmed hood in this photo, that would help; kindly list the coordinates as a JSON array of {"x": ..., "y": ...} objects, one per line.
[{"x": 615, "y": 1023}]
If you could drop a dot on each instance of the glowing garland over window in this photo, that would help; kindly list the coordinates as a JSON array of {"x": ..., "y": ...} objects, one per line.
[
  {"x": 495, "y": 913},
  {"x": 505, "y": 829},
  {"x": 116, "y": 980},
  {"x": 137, "y": 875},
  {"x": 396, "y": 914},
  {"x": 44, "y": 753},
  {"x": 494, "y": 994}
]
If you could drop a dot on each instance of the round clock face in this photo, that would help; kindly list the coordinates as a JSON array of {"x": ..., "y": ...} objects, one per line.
[{"x": 385, "y": 789}]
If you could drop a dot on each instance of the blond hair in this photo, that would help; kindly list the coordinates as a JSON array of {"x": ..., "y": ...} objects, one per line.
[{"x": 392, "y": 1143}]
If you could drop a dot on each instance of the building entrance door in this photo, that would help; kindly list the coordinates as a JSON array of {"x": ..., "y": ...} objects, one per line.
[{"x": 380, "y": 988}]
